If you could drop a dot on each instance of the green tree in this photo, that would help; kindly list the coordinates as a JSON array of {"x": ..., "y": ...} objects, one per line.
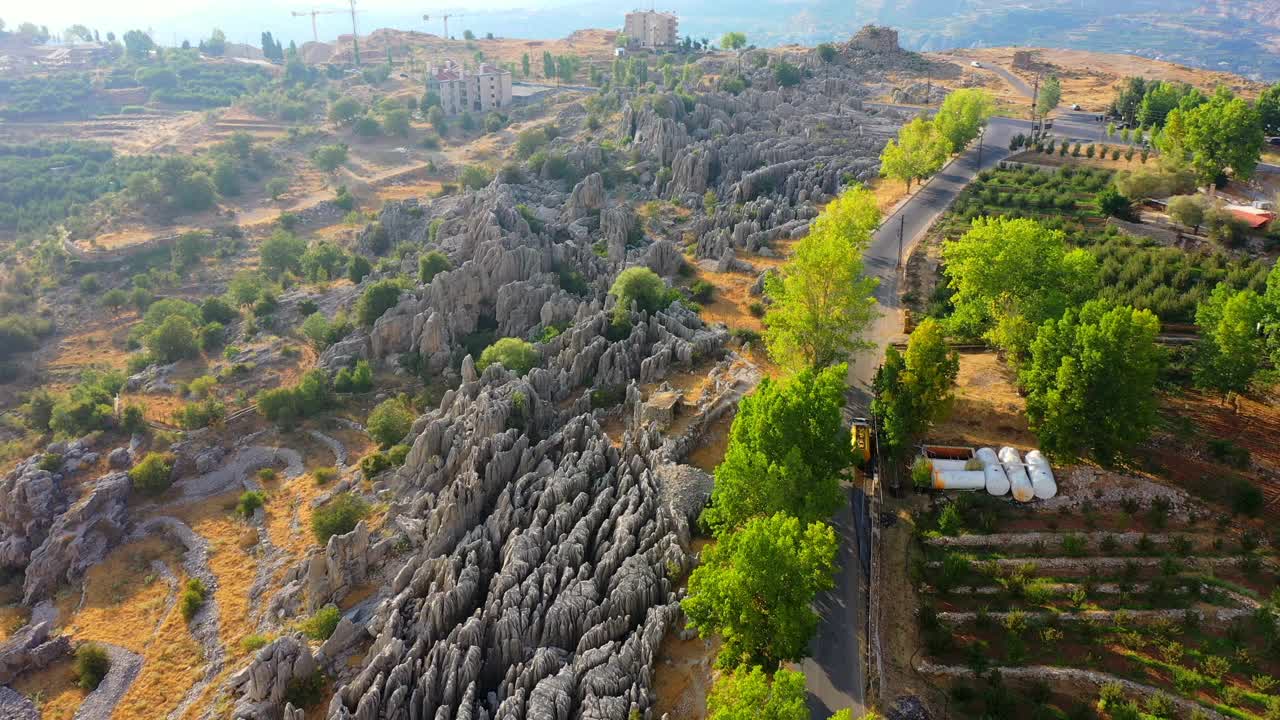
[
  {"x": 548, "y": 65},
  {"x": 329, "y": 157},
  {"x": 358, "y": 268},
  {"x": 173, "y": 340},
  {"x": 475, "y": 177},
  {"x": 1231, "y": 346},
  {"x": 1009, "y": 276},
  {"x": 1050, "y": 95},
  {"x": 138, "y": 45},
  {"x": 514, "y": 354},
  {"x": 345, "y": 110},
  {"x": 913, "y": 390},
  {"x": 641, "y": 286},
  {"x": 92, "y": 664},
  {"x": 389, "y": 422},
  {"x": 396, "y": 122},
  {"x": 322, "y": 261},
  {"x": 822, "y": 300},
  {"x": 339, "y": 516},
  {"x": 524, "y": 64},
  {"x": 1269, "y": 110},
  {"x": 755, "y": 587},
  {"x": 114, "y": 299},
  {"x": 1091, "y": 380},
  {"x": 1187, "y": 210},
  {"x": 748, "y": 694},
  {"x": 827, "y": 53},
  {"x": 1224, "y": 133},
  {"x": 962, "y": 115},
  {"x": 918, "y": 152},
  {"x": 282, "y": 252},
  {"x": 733, "y": 41},
  {"x": 787, "y": 447}
]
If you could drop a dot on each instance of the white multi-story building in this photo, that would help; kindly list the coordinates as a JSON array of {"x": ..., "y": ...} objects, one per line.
[
  {"x": 488, "y": 88},
  {"x": 650, "y": 28}
]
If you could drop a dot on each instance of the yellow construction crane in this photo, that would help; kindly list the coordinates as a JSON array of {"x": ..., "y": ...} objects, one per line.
[
  {"x": 315, "y": 34},
  {"x": 446, "y": 17}
]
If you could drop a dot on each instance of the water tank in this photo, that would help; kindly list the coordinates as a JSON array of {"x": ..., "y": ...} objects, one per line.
[
  {"x": 997, "y": 478},
  {"x": 1019, "y": 481},
  {"x": 1041, "y": 475},
  {"x": 959, "y": 479}
]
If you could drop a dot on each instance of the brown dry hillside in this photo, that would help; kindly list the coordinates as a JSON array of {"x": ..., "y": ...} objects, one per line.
[
  {"x": 1090, "y": 78},
  {"x": 423, "y": 47}
]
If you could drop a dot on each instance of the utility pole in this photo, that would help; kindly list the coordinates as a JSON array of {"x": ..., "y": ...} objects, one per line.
[
  {"x": 902, "y": 227},
  {"x": 981, "y": 133},
  {"x": 355, "y": 34},
  {"x": 1035, "y": 95}
]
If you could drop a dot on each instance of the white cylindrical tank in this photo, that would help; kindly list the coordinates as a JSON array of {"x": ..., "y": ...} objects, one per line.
[
  {"x": 1019, "y": 481},
  {"x": 947, "y": 464},
  {"x": 997, "y": 478},
  {"x": 1041, "y": 475},
  {"x": 959, "y": 479}
]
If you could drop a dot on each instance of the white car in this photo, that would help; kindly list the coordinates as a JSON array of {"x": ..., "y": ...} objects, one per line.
[
  {"x": 976, "y": 64},
  {"x": 1075, "y": 106}
]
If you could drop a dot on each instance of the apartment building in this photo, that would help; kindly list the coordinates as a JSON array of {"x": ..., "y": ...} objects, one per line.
[
  {"x": 650, "y": 28},
  {"x": 487, "y": 88}
]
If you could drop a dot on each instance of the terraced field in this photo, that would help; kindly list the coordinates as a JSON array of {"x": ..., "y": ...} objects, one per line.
[{"x": 1151, "y": 606}]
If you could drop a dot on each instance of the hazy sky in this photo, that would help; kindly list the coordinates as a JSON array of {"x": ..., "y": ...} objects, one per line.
[{"x": 244, "y": 19}]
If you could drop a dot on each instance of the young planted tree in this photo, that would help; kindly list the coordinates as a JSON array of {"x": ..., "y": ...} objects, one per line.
[
  {"x": 1091, "y": 380},
  {"x": 755, "y": 587},
  {"x": 1050, "y": 95},
  {"x": 913, "y": 389},
  {"x": 1011, "y": 275},
  {"x": 787, "y": 448},
  {"x": 918, "y": 152},
  {"x": 822, "y": 300}
]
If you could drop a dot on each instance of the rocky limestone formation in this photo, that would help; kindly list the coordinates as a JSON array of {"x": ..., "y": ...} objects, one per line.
[
  {"x": 30, "y": 499},
  {"x": 265, "y": 682},
  {"x": 342, "y": 565},
  {"x": 31, "y": 649},
  {"x": 16, "y": 706},
  {"x": 875, "y": 39},
  {"x": 79, "y": 538},
  {"x": 587, "y": 197}
]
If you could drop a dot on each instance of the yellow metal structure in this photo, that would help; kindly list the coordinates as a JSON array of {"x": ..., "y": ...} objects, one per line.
[{"x": 860, "y": 438}]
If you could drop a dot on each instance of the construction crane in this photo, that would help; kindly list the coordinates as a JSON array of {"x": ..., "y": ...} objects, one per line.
[
  {"x": 315, "y": 34},
  {"x": 446, "y": 17}
]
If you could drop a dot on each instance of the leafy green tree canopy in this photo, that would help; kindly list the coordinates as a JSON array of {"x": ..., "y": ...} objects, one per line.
[
  {"x": 913, "y": 390},
  {"x": 748, "y": 694},
  {"x": 919, "y": 151},
  {"x": 787, "y": 448},
  {"x": 822, "y": 300},
  {"x": 1091, "y": 380},
  {"x": 962, "y": 115},
  {"x": 755, "y": 587},
  {"x": 514, "y": 354},
  {"x": 1232, "y": 345},
  {"x": 1011, "y": 275}
]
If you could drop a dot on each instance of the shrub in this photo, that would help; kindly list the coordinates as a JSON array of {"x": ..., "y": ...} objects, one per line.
[
  {"x": 287, "y": 405},
  {"x": 377, "y": 299},
  {"x": 641, "y": 286},
  {"x": 194, "y": 416},
  {"x": 374, "y": 463},
  {"x": 922, "y": 474},
  {"x": 389, "y": 422},
  {"x": 254, "y": 642},
  {"x": 397, "y": 454},
  {"x": 249, "y": 502},
  {"x": 305, "y": 691},
  {"x": 321, "y": 625},
  {"x": 514, "y": 354},
  {"x": 192, "y": 598},
  {"x": 324, "y": 475},
  {"x": 173, "y": 340},
  {"x": 132, "y": 419},
  {"x": 151, "y": 476},
  {"x": 50, "y": 462},
  {"x": 1073, "y": 545},
  {"x": 475, "y": 177},
  {"x": 432, "y": 263},
  {"x": 358, "y": 381},
  {"x": 358, "y": 268},
  {"x": 702, "y": 291},
  {"x": 91, "y": 665},
  {"x": 949, "y": 521},
  {"x": 339, "y": 516}
]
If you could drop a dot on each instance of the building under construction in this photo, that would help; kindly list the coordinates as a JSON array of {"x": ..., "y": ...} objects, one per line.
[
  {"x": 460, "y": 90},
  {"x": 650, "y": 28}
]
